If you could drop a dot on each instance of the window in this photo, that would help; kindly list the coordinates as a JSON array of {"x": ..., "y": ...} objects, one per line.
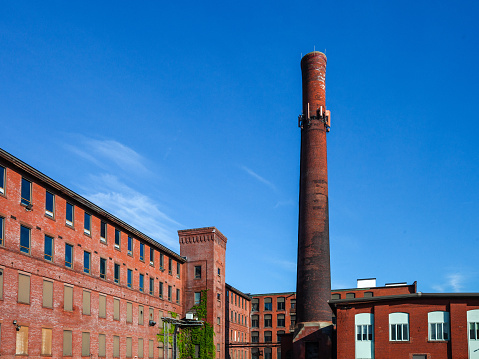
[
  {"x": 117, "y": 239},
  {"x": 142, "y": 251},
  {"x": 197, "y": 298},
  {"x": 86, "y": 303},
  {"x": 278, "y": 336},
  {"x": 140, "y": 347},
  {"x": 2, "y": 179},
  {"x": 130, "y": 245},
  {"x": 102, "y": 306},
  {"x": 102, "y": 268},
  {"x": 293, "y": 303},
  {"x": 23, "y": 288},
  {"x": 281, "y": 321},
  {"x": 473, "y": 330},
  {"x": 69, "y": 214},
  {"x": 117, "y": 273},
  {"x": 85, "y": 344},
  {"x": 24, "y": 239},
  {"x": 268, "y": 304},
  {"x": 219, "y": 272},
  {"x": 255, "y": 321},
  {"x": 150, "y": 348},
  {"x": 350, "y": 295},
  {"x": 268, "y": 353},
  {"x": 293, "y": 321},
  {"x": 129, "y": 312},
  {"x": 67, "y": 298},
  {"x": 129, "y": 278},
  {"x": 26, "y": 192},
  {"x": 280, "y": 302},
  {"x": 50, "y": 204},
  {"x": 101, "y": 345},
  {"x": 152, "y": 256},
  {"x": 116, "y": 309},
  {"x": 438, "y": 325},
  {"x": 255, "y": 337},
  {"x": 255, "y": 305},
  {"x": 140, "y": 315},
  {"x": 178, "y": 266},
  {"x": 398, "y": 326},
  {"x": 160, "y": 291},
  {"x": 67, "y": 343},
  {"x": 218, "y": 320},
  {"x": 48, "y": 248},
  {"x": 142, "y": 283},
  {"x": 46, "y": 341},
  {"x": 268, "y": 321},
  {"x": 162, "y": 260},
  {"x": 170, "y": 266},
  {"x": 268, "y": 336},
  {"x": 218, "y": 296},
  {"x": 21, "y": 345},
  {"x": 128, "y": 347},
  {"x": 103, "y": 229},
  {"x": 152, "y": 286},
  {"x": 2, "y": 230},
  {"x": 177, "y": 296},
  {"x": 68, "y": 255},
  {"x": 47, "y": 294},
  {"x": 197, "y": 272},
  {"x": 368, "y": 294},
  {"x": 336, "y": 296},
  {"x": 169, "y": 293},
  {"x": 364, "y": 332},
  {"x": 87, "y": 224},
  {"x": 116, "y": 346},
  {"x": 86, "y": 262}
]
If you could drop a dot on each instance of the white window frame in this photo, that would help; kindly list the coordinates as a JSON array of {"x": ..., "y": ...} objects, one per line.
[
  {"x": 438, "y": 324},
  {"x": 398, "y": 327}
]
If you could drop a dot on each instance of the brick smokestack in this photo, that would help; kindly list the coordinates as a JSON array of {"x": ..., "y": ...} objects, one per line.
[{"x": 313, "y": 286}]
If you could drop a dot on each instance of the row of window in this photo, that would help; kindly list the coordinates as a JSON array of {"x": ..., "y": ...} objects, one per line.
[
  {"x": 48, "y": 300},
  {"x": 197, "y": 272},
  {"x": 268, "y": 320},
  {"x": 268, "y": 304},
  {"x": 267, "y": 353},
  {"x": 22, "y": 341},
  {"x": 438, "y": 327},
  {"x": 237, "y": 336},
  {"x": 351, "y": 295},
  {"x": 268, "y": 336},
  {"x": 238, "y": 318},
  {"x": 26, "y": 200},
  {"x": 25, "y": 246},
  {"x": 237, "y": 300},
  {"x": 238, "y": 354}
]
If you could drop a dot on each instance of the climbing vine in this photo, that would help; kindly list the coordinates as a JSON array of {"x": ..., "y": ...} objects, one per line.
[{"x": 191, "y": 339}]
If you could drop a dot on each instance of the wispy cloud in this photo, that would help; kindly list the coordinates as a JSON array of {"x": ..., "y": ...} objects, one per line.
[
  {"x": 258, "y": 177},
  {"x": 453, "y": 281},
  {"x": 133, "y": 207},
  {"x": 104, "y": 153}
]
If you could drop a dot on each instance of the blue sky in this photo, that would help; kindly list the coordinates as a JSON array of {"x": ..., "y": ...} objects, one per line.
[{"x": 175, "y": 115}]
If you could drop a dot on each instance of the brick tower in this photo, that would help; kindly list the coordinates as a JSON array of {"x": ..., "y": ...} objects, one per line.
[{"x": 312, "y": 337}]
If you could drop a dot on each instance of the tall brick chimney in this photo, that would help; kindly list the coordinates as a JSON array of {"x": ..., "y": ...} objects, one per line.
[{"x": 312, "y": 337}]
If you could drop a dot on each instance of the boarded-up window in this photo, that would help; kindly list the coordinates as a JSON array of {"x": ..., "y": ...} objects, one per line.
[
  {"x": 85, "y": 344},
  {"x": 152, "y": 314},
  {"x": 86, "y": 303},
  {"x": 368, "y": 294},
  {"x": 47, "y": 294},
  {"x": 350, "y": 295},
  {"x": 116, "y": 309},
  {"x": 1, "y": 283},
  {"x": 102, "y": 306},
  {"x": 23, "y": 288},
  {"x": 67, "y": 343},
  {"x": 150, "y": 348},
  {"x": 129, "y": 312},
  {"x": 336, "y": 296},
  {"x": 128, "y": 347},
  {"x": 68, "y": 298},
  {"x": 22, "y": 341},
  {"x": 140, "y": 315},
  {"x": 140, "y": 347},
  {"x": 46, "y": 341},
  {"x": 116, "y": 346},
  {"x": 102, "y": 345}
]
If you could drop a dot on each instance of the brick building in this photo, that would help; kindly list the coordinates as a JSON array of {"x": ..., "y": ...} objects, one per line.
[
  {"x": 238, "y": 305},
  {"x": 410, "y": 326},
  {"x": 273, "y": 315},
  {"x": 76, "y": 281}
]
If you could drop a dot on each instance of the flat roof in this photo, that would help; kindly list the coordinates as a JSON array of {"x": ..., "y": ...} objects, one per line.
[{"x": 84, "y": 202}]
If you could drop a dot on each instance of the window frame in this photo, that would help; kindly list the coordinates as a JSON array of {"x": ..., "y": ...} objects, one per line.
[
  {"x": 69, "y": 264},
  {"x": 103, "y": 275},
  {"x": 86, "y": 255},
  {"x": 26, "y": 201},
  {"x": 151, "y": 288},
  {"x": 117, "y": 239},
  {"x": 141, "y": 282},
  {"x": 197, "y": 272},
  {"x": 130, "y": 246},
  {"x": 129, "y": 278},
  {"x": 68, "y": 222},
  {"x": 87, "y": 220},
  {"x": 142, "y": 252},
  {"x": 103, "y": 231},
  {"x": 399, "y": 327},
  {"x": 49, "y": 213},
  {"x": 25, "y": 230},
  {"x": 438, "y": 326},
  {"x": 3, "y": 180},
  {"x": 116, "y": 278},
  {"x": 45, "y": 255}
]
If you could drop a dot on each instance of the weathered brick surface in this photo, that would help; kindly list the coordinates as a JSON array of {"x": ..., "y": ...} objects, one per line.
[{"x": 237, "y": 331}]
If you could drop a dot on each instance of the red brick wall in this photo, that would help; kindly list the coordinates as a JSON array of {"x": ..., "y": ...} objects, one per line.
[{"x": 238, "y": 307}]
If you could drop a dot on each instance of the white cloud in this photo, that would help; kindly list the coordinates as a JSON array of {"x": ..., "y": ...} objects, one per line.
[
  {"x": 454, "y": 282},
  {"x": 258, "y": 177},
  {"x": 134, "y": 208}
]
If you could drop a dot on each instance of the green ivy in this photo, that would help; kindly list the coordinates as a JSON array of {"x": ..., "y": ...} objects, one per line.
[{"x": 188, "y": 337}]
